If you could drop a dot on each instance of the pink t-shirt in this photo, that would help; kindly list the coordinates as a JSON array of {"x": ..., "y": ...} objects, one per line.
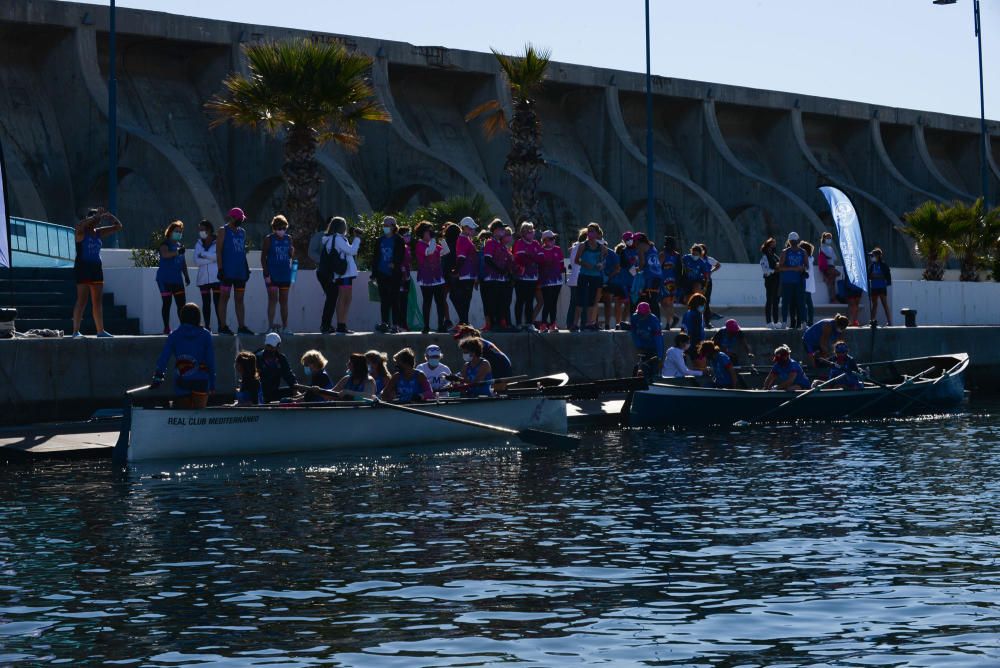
[
  {"x": 551, "y": 266},
  {"x": 429, "y": 271},
  {"x": 526, "y": 255},
  {"x": 467, "y": 258},
  {"x": 501, "y": 257}
]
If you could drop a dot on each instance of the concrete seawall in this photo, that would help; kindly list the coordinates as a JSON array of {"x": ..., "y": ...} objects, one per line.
[{"x": 47, "y": 380}]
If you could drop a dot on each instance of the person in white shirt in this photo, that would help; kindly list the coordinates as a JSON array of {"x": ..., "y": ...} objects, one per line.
[
  {"x": 810, "y": 281},
  {"x": 674, "y": 365},
  {"x": 573, "y": 275},
  {"x": 339, "y": 288},
  {"x": 436, "y": 372},
  {"x": 208, "y": 271}
]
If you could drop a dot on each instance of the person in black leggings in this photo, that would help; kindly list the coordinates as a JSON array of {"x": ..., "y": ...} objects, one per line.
[
  {"x": 208, "y": 270},
  {"x": 772, "y": 285},
  {"x": 387, "y": 269}
]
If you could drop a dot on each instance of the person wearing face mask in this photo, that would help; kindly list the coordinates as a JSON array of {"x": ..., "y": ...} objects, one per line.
[
  {"x": 357, "y": 384},
  {"x": 527, "y": 255},
  {"x": 208, "y": 271},
  {"x": 276, "y": 254},
  {"x": 551, "y": 271},
  {"x": 647, "y": 337},
  {"x": 477, "y": 374},
  {"x": 786, "y": 374},
  {"x": 723, "y": 372},
  {"x": 234, "y": 271},
  {"x": 670, "y": 263},
  {"x": 827, "y": 262},
  {"x": 844, "y": 368},
  {"x": 496, "y": 275},
  {"x": 172, "y": 273},
  {"x": 793, "y": 267},
  {"x": 407, "y": 385},
  {"x": 402, "y": 305},
  {"x": 675, "y": 366},
  {"x": 649, "y": 279},
  {"x": 387, "y": 270},
  {"x": 378, "y": 369},
  {"x": 692, "y": 271},
  {"x": 88, "y": 269},
  {"x": 274, "y": 367},
  {"x": 772, "y": 282},
  {"x": 693, "y": 322},
  {"x": 434, "y": 369},
  {"x": 817, "y": 340},
  {"x": 429, "y": 251},
  {"x": 879, "y": 280},
  {"x": 591, "y": 256},
  {"x": 316, "y": 379},
  {"x": 467, "y": 269}
]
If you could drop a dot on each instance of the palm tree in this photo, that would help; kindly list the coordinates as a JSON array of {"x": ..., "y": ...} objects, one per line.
[
  {"x": 966, "y": 237},
  {"x": 525, "y": 75},
  {"x": 927, "y": 226},
  {"x": 310, "y": 93}
]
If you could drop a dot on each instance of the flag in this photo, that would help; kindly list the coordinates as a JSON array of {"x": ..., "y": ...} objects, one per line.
[
  {"x": 4, "y": 218},
  {"x": 852, "y": 246}
]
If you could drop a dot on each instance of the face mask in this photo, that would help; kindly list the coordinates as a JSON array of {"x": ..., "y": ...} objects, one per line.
[
  {"x": 696, "y": 255},
  {"x": 701, "y": 309},
  {"x": 828, "y": 242},
  {"x": 238, "y": 223},
  {"x": 548, "y": 242},
  {"x": 629, "y": 243},
  {"x": 529, "y": 236},
  {"x": 432, "y": 362},
  {"x": 498, "y": 235},
  {"x": 794, "y": 244},
  {"x": 307, "y": 371},
  {"x": 386, "y": 230},
  {"x": 467, "y": 357},
  {"x": 177, "y": 236},
  {"x": 280, "y": 233},
  {"x": 591, "y": 236},
  {"x": 203, "y": 234}
]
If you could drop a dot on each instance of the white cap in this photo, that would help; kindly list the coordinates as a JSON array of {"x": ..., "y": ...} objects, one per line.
[
  {"x": 548, "y": 234},
  {"x": 433, "y": 351},
  {"x": 272, "y": 339},
  {"x": 468, "y": 222},
  {"x": 389, "y": 220},
  {"x": 793, "y": 236}
]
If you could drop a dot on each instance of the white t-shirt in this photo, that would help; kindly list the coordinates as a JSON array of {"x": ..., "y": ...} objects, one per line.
[
  {"x": 574, "y": 268},
  {"x": 436, "y": 376},
  {"x": 811, "y": 279},
  {"x": 675, "y": 367}
]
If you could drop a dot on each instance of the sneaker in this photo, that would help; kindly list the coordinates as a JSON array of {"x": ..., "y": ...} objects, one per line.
[
  {"x": 448, "y": 326},
  {"x": 225, "y": 331},
  {"x": 574, "y": 329},
  {"x": 245, "y": 331},
  {"x": 286, "y": 332},
  {"x": 425, "y": 331},
  {"x": 166, "y": 331},
  {"x": 531, "y": 328},
  {"x": 104, "y": 334},
  {"x": 77, "y": 335},
  {"x": 326, "y": 330},
  {"x": 342, "y": 329},
  {"x": 395, "y": 330},
  {"x": 382, "y": 328}
]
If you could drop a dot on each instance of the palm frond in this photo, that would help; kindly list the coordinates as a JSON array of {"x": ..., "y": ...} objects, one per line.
[
  {"x": 494, "y": 118},
  {"x": 525, "y": 72}
]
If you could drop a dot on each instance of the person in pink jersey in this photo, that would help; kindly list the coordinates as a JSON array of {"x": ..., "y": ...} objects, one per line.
[{"x": 527, "y": 253}]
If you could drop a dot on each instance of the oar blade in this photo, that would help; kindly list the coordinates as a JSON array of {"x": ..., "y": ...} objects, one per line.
[{"x": 548, "y": 439}]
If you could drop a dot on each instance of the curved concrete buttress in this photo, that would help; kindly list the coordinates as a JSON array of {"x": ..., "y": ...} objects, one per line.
[
  {"x": 471, "y": 181},
  {"x": 885, "y": 160},
  {"x": 25, "y": 202},
  {"x": 797, "y": 205},
  {"x": 183, "y": 172},
  {"x": 688, "y": 187},
  {"x": 920, "y": 140},
  {"x": 872, "y": 203},
  {"x": 347, "y": 183}
]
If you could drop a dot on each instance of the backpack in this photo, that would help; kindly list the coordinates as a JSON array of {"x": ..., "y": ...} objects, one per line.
[{"x": 331, "y": 262}]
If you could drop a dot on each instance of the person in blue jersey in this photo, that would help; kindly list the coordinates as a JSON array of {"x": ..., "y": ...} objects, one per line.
[
  {"x": 670, "y": 263},
  {"x": 611, "y": 294},
  {"x": 387, "y": 259},
  {"x": 276, "y": 254},
  {"x": 649, "y": 278},
  {"x": 316, "y": 378},
  {"x": 879, "y": 280},
  {"x": 274, "y": 368},
  {"x": 693, "y": 268},
  {"x": 628, "y": 267},
  {"x": 732, "y": 341},
  {"x": 378, "y": 369},
  {"x": 358, "y": 384},
  {"x": 88, "y": 269},
  {"x": 477, "y": 374},
  {"x": 172, "y": 275},
  {"x": 786, "y": 374},
  {"x": 723, "y": 371},
  {"x": 499, "y": 361},
  {"x": 818, "y": 339},
  {"x": 844, "y": 368},
  {"x": 693, "y": 322},
  {"x": 792, "y": 268},
  {"x": 190, "y": 345},
  {"x": 231, "y": 252},
  {"x": 248, "y": 387},
  {"x": 647, "y": 337},
  {"x": 591, "y": 255},
  {"x": 407, "y": 385}
]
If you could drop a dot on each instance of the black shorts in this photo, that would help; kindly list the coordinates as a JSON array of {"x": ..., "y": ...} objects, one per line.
[
  {"x": 279, "y": 285},
  {"x": 209, "y": 286},
  {"x": 615, "y": 290},
  {"x": 89, "y": 273},
  {"x": 879, "y": 292},
  {"x": 233, "y": 284},
  {"x": 344, "y": 282},
  {"x": 167, "y": 289}
]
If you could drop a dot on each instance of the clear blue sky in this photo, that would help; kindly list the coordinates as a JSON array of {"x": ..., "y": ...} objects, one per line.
[{"x": 906, "y": 53}]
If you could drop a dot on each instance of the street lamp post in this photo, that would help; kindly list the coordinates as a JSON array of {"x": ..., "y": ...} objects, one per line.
[
  {"x": 985, "y": 139},
  {"x": 112, "y": 119},
  {"x": 650, "y": 213}
]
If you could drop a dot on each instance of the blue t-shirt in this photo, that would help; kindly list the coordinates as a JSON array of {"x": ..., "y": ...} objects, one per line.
[
  {"x": 790, "y": 370},
  {"x": 693, "y": 323},
  {"x": 647, "y": 334},
  {"x": 234, "y": 254},
  {"x": 592, "y": 256},
  {"x": 279, "y": 258},
  {"x": 670, "y": 260},
  {"x": 194, "y": 359},
  {"x": 812, "y": 336},
  {"x": 794, "y": 257},
  {"x": 386, "y": 247},
  {"x": 611, "y": 262},
  {"x": 89, "y": 250},
  {"x": 720, "y": 369},
  {"x": 653, "y": 271},
  {"x": 877, "y": 276},
  {"x": 847, "y": 373},
  {"x": 170, "y": 271},
  {"x": 483, "y": 388}
]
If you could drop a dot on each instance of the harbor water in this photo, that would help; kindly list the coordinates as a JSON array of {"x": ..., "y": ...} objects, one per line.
[{"x": 827, "y": 544}]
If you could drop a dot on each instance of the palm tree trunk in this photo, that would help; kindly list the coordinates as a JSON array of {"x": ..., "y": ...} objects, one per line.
[
  {"x": 969, "y": 272},
  {"x": 302, "y": 182},
  {"x": 524, "y": 162}
]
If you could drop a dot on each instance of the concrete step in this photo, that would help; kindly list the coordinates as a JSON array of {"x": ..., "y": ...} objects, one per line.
[
  {"x": 39, "y": 285},
  {"x": 63, "y": 311},
  {"x": 21, "y": 273},
  {"x": 129, "y": 326},
  {"x": 47, "y": 299}
]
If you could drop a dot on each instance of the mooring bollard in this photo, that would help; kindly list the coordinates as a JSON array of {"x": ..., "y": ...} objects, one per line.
[{"x": 910, "y": 316}]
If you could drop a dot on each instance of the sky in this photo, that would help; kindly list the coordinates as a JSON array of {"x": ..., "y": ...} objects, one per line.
[{"x": 903, "y": 53}]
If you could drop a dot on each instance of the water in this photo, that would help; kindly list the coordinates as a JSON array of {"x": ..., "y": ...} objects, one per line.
[{"x": 824, "y": 545}]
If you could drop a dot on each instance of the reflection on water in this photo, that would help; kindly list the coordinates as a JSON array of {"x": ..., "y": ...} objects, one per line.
[{"x": 818, "y": 545}]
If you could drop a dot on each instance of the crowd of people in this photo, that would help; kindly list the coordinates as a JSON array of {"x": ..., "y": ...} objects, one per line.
[{"x": 519, "y": 276}]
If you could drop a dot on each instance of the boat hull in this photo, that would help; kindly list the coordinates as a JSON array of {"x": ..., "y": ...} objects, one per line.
[
  {"x": 160, "y": 433},
  {"x": 665, "y": 405}
]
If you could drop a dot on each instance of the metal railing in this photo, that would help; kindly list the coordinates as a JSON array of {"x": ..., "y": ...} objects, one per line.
[{"x": 40, "y": 238}]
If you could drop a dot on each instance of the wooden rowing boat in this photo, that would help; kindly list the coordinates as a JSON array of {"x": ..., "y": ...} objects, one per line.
[
  {"x": 684, "y": 402},
  {"x": 226, "y": 431}
]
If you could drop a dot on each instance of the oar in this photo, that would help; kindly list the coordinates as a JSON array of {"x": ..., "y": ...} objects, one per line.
[
  {"x": 791, "y": 401},
  {"x": 137, "y": 390},
  {"x": 944, "y": 374},
  {"x": 906, "y": 383},
  {"x": 545, "y": 439},
  {"x": 879, "y": 383}
]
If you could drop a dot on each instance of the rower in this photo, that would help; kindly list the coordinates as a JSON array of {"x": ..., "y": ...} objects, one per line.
[
  {"x": 786, "y": 374},
  {"x": 437, "y": 373},
  {"x": 477, "y": 373},
  {"x": 248, "y": 389},
  {"x": 357, "y": 384},
  {"x": 274, "y": 367},
  {"x": 844, "y": 368},
  {"x": 723, "y": 372},
  {"x": 314, "y": 367},
  {"x": 674, "y": 366},
  {"x": 499, "y": 362},
  {"x": 407, "y": 384},
  {"x": 732, "y": 341},
  {"x": 647, "y": 337},
  {"x": 818, "y": 339},
  {"x": 191, "y": 347}
]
